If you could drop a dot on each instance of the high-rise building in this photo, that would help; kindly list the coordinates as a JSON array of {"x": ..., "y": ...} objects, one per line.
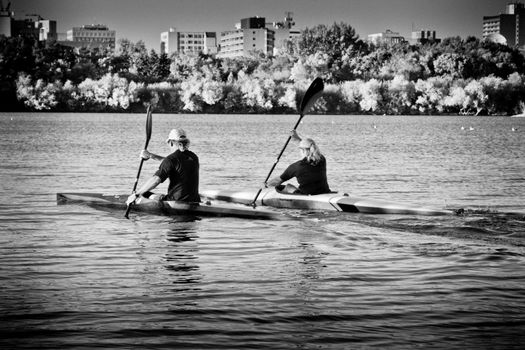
[
  {"x": 184, "y": 42},
  {"x": 250, "y": 36},
  {"x": 91, "y": 36},
  {"x": 511, "y": 24},
  {"x": 254, "y": 34},
  {"x": 47, "y": 30},
  {"x": 6, "y": 17}
]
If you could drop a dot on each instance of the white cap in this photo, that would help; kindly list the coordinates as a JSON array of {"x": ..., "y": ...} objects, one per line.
[{"x": 177, "y": 135}]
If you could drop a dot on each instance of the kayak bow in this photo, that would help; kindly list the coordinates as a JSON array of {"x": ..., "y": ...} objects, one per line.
[{"x": 336, "y": 201}]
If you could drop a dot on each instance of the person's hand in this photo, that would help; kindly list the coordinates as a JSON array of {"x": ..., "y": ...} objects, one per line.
[
  {"x": 294, "y": 135},
  {"x": 132, "y": 198},
  {"x": 145, "y": 154}
]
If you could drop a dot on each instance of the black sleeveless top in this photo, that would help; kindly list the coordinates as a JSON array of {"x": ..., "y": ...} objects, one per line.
[{"x": 311, "y": 178}]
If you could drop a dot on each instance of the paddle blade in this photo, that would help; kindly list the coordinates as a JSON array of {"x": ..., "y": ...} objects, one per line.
[
  {"x": 314, "y": 91},
  {"x": 149, "y": 126}
]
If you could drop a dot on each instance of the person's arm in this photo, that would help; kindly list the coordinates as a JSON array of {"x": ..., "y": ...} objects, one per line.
[
  {"x": 276, "y": 181},
  {"x": 145, "y": 154},
  {"x": 152, "y": 182}
]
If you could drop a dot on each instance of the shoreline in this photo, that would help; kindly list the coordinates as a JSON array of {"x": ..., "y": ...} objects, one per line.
[{"x": 276, "y": 114}]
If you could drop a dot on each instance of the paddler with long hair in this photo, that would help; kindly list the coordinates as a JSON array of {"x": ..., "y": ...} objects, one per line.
[{"x": 309, "y": 171}]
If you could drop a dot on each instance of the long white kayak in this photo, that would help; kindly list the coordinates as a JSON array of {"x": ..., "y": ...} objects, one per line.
[
  {"x": 172, "y": 208},
  {"x": 336, "y": 201}
]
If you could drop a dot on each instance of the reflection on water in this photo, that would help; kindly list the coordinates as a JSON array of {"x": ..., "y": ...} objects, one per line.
[
  {"x": 182, "y": 256},
  {"x": 80, "y": 277}
]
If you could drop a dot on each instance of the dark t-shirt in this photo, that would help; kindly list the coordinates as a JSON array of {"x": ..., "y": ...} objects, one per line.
[
  {"x": 311, "y": 178},
  {"x": 182, "y": 168}
]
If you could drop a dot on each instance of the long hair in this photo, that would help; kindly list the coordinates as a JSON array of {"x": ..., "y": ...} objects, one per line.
[{"x": 314, "y": 154}]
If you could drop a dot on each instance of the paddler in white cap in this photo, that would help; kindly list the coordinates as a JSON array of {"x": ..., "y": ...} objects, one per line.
[{"x": 181, "y": 167}]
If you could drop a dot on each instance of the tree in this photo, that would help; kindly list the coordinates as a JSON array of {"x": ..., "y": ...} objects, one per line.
[
  {"x": 162, "y": 69},
  {"x": 16, "y": 57},
  {"x": 336, "y": 42},
  {"x": 53, "y": 62},
  {"x": 451, "y": 64}
]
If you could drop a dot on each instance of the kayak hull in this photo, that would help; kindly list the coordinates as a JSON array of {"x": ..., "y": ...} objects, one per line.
[
  {"x": 335, "y": 201},
  {"x": 166, "y": 207}
]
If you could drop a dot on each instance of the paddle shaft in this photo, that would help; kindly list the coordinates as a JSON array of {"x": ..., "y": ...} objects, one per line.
[
  {"x": 314, "y": 91},
  {"x": 148, "y": 136},
  {"x": 277, "y": 160}
]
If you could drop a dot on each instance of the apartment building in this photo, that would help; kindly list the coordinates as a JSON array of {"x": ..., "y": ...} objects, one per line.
[
  {"x": 254, "y": 35},
  {"x": 184, "y": 42},
  {"x": 249, "y": 37},
  {"x": 91, "y": 36},
  {"x": 510, "y": 25}
]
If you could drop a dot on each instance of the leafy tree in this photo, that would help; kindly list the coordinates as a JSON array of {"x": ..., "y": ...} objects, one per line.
[
  {"x": 16, "y": 57},
  {"x": 119, "y": 64},
  {"x": 53, "y": 61},
  {"x": 162, "y": 68},
  {"x": 336, "y": 42},
  {"x": 451, "y": 64},
  {"x": 247, "y": 65}
]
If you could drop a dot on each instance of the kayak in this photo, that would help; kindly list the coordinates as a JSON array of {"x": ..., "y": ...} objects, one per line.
[
  {"x": 167, "y": 207},
  {"x": 336, "y": 201}
]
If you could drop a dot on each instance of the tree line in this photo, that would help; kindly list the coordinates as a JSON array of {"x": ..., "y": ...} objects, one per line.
[{"x": 455, "y": 76}]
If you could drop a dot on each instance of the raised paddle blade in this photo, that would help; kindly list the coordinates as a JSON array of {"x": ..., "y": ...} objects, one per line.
[
  {"x": 314, "y": 91},
  {"x": 149, "y": 126}
]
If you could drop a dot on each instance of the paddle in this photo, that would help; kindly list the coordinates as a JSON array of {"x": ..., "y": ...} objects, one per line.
[
  {"x": 148, "y": 137},
  {"x": 314, "y": 91}
]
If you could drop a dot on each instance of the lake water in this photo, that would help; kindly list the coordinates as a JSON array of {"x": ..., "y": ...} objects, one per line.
[{"x": 78, "y": 277}]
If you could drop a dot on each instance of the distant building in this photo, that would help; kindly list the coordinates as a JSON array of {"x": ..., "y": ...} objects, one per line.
[
  {"x": 424, "y": 36},
  {"x": 511, "y": 25},
  {"x": 183, "y": 42},
  {"x": 40, "y": 29},
  {"x": 47, "y": 30},
  {"x": 496, "y": 38},
  {"x": 24, "y": 27},
  {"x": 90, "y": 37},
  {"x": 388, "y": 37},
  {"x": 6, "y": 17},
  {"x": 283, "y": 32},
  {"x": 254, "y": 34},
  {"x": 251, "y": 35}
]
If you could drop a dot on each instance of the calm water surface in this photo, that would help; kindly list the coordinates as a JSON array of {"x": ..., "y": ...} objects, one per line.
[{"x": 78, "y": 277}]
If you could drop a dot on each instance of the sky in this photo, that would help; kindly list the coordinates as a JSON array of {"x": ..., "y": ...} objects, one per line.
[{"x": 146, "y": 19}]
